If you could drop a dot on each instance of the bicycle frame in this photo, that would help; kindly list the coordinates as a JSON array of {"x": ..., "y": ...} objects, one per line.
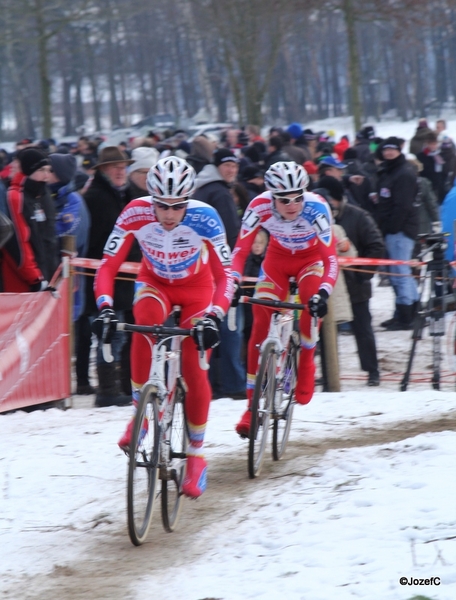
[{"x": 280, "y": 328}]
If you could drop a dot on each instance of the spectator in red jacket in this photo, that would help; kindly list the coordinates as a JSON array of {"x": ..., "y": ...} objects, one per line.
[{"x": 31, "y": 257}]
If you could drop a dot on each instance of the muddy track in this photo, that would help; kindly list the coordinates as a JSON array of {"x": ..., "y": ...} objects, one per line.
[{"x": 110, "y": 564}]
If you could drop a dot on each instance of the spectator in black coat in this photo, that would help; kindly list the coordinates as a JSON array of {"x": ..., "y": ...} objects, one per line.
[
  {"x": 398, "y": 220},
  {"x": 364, "y": 234},
  {"x": 105, "y": 199},
  {"x": 227, "y": 374}
]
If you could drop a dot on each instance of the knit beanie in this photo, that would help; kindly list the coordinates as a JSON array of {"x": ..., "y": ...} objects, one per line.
[
  {"x": 31, "y": 160},
  {"x": 295, "y": 130},
  {"x": 144, "y": 157},
  {"x": 64, "y": 166},
  {"x": 223, "y": 155}
]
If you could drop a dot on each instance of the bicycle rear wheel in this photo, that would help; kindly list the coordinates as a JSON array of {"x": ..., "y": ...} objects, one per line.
[
  {"x": 283, "y": 398},
  {"x": 173, "y": 476},
  {"x": 143, "y": 467},
  {"x": 263, "y": 396}
]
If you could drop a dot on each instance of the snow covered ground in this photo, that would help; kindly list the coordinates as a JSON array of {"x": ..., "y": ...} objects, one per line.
[{"x": 363, "y": 496}]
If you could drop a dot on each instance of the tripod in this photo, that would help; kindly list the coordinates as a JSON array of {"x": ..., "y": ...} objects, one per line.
[{"x": 435, "y": 296}]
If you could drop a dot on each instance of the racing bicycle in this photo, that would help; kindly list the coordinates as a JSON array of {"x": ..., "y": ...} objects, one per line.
[
  {"x": 273, "y": 395},
  {"x": 160, "y": 437}
]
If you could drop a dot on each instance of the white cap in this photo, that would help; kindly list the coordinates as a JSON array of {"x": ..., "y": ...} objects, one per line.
[{"x": 144, "y": 158}]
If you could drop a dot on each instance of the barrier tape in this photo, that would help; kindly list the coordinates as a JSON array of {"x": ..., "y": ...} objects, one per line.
[{"x": 133, "y": 267}]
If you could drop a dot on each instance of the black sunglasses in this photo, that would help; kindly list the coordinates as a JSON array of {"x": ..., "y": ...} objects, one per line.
[
  {"x": 166, "y": 206},
  {"x": 287, "y": 201}
]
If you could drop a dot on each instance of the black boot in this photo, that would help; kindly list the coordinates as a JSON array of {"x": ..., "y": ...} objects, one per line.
[
  {"x": 108, "y": 387},
  {"x": 406, "y": 314}
]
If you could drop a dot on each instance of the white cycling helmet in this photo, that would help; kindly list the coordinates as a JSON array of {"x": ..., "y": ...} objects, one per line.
[
  {"x": 285, "y": 177},
  {"x": 171, "y": 177}
]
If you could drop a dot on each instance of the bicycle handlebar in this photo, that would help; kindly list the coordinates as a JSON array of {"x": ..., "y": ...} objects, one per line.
[
  {"x": 276, "y": 303},
  {"x": 159, "y": 330}
]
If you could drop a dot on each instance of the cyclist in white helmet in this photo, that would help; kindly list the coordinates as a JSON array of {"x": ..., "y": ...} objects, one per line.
[
  {"x": 301, "y": 246},
  {"x": 186, "y": 262}
]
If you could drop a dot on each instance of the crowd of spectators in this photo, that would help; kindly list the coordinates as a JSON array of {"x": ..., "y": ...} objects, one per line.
[{"x": 381, "y": 196}]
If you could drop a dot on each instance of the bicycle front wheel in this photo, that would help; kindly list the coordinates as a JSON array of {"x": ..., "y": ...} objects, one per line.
[
  {"x": 173, "y": 475},
  {"x": 143, "y": 467},
  {"x": 263, "y": 396},
  {"x": 283, "y": 398}
]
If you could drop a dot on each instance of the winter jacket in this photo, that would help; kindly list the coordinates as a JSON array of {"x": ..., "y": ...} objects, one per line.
[
  {"x": 365, "y": 236},
  {"x": 31, "y": 255},
  {"x": 73, "y": 218},
  {"x": 213, "y": 190},
  {"x": 398, "y": 202},
  {"x": 359, "y": 192},
  {"x": 105, "y": 203}
]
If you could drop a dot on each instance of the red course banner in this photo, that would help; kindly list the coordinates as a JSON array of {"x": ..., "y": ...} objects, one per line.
[{"x": 34, "y": 348}]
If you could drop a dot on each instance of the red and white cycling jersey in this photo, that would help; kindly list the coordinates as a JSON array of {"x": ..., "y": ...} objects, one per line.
[
  {"x": 197, "y": 244},
  {"x": 309, "y": 234}
]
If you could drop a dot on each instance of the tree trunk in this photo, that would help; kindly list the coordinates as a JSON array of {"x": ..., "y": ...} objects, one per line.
[
  {"x": 199, "y": 54},
  {"x": 353, "y": 62},
  {"x": 113, "y": 106},
  {"x": 46, "y": 123}
]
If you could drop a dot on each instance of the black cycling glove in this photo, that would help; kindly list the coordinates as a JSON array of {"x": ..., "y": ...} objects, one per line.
[
  {"x": 318, "y": 304},
  {"x": 106, "y": 317},
  {"x": 210, "y": 336}
]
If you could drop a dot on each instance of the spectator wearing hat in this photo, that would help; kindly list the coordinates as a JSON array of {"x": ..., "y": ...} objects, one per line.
[
  {"x": 330, "y": 166},
  {"x": 213, "y": 187},
  {"x": 227, "y": 374},
  {"x": 294, "y": 136},
  {"x": 365, "y": 236},
  {"x": 72, "y": 217},
  {"x": 105, "y": 198},
  {"x": 398, "y": 220},
  {"x": 419, "y": 138},
  {"x": 30, "y": 257},
  {"x": 144, "y": 159}
]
